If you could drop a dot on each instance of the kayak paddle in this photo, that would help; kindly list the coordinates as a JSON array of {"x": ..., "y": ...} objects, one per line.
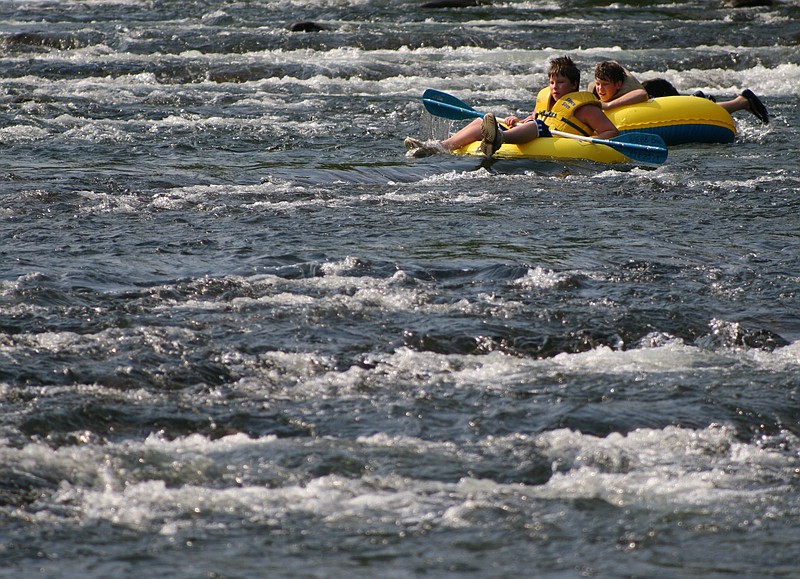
[{"x": 642, "y": 147}]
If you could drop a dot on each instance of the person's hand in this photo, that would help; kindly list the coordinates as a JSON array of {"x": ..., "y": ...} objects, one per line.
[{"x": 511, "y": 121}]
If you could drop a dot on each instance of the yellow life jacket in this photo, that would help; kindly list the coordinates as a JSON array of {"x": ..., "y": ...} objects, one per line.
[{"x": 560, "y": 115}]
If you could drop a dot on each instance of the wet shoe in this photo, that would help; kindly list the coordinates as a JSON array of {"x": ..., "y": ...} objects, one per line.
[
  {"x": 756, "y": 106},
  {"x": 492, "y": 136},
  {"x": 419, "y": 149},
  {"x": 412, "y": 143}
]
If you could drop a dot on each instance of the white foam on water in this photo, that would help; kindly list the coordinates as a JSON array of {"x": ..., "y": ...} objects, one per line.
[
  {"x": 22, "y": 134},
  {"x": 167, "y": 486},
  {"x": 323, "y": 3},
  {"x": 778, "y": 81},
  {"x": 336, "y": 291},
  {"x": 122, "y": 484},
  {"x": 779, "y": 360},
  {"x": 81, "y": 3},
  {"x": 672, "y": 467},
  {"x": 499, "y": 372},
  {"x": 99, "y": 132},
  {"x": 209, "y": 198},
  {"x": 538, "y": 278},
  {"x": 672, "y": 357}
]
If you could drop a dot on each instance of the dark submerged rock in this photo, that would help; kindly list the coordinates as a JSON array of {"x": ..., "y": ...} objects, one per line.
[
  {"x": 747, "y": 3},
  {"x": 307, "y": 26},
  {"x": 43, "y": 39},
  {"x": 456, "y": 3}
]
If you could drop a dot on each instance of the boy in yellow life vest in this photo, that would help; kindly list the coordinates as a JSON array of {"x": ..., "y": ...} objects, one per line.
[{"x": 560, "y": 106}]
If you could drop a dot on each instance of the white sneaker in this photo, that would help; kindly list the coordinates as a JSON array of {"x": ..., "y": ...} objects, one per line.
[{"x": 418, "y": 149}]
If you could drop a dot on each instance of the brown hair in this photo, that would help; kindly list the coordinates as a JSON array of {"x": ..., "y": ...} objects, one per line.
[
  {"x": 659, "y": 87},
  {"x": 609, "y": 71},
  {"x": 564, "y": 66}
]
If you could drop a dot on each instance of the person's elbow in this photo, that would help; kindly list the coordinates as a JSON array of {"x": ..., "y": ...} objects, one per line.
[{"x": 608, "y": 133}]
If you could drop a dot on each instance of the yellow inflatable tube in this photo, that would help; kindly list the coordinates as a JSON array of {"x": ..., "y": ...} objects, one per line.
[
  {"x": 552, "y": 148},
  {"x": 677, "y": 119}
]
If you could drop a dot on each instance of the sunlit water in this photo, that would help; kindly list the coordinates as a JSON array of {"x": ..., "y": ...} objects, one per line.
[{"x": 242, "y": 335}]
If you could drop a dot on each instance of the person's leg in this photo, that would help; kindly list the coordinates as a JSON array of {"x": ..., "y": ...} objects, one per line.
[
  {"x": 493, "y": 138},
  {"x": 736, "y": 104},
  {"x": 521, "y": 133},
  {"x": 491, "y": 135},
  {"x": 747, "y": 101},
  {"x": 465, "y": 136}
]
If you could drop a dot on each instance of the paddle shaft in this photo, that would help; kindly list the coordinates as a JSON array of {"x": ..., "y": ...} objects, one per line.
[{"x": 606, "y": 142}]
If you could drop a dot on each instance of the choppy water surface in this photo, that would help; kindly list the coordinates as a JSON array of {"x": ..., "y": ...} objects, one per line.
[{"x": 242, "y": 335}]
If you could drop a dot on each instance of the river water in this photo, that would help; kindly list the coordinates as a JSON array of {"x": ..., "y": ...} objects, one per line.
[{"x": 242, "y": 335}]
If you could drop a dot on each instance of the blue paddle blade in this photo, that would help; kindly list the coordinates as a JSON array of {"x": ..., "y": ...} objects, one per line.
[
  {"x": 643, "y": 139},
  {"x": 441, "y": 104},
  {"x": 644, "y": 147}
]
